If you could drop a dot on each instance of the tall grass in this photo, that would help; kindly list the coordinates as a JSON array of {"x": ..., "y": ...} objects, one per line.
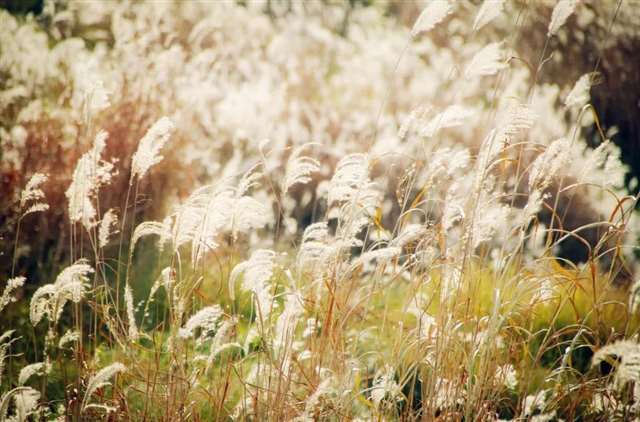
[{"x": 330, "y": 259}]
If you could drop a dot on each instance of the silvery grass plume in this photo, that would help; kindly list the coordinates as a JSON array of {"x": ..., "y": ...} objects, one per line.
[
  {"x": 90, "y": 173},
  {"x": 211, "y": 211},
  {"x": 314, "y": 249},
  {"x": 351, "y": 175},
  {"x": 148, "y": 152},
  {"x": 624, "y": 356},
  {"x": 489, "y": 10},
  {"x": 431, "y": 15},
  {"x": 149, "y": 228},
  {"x": 32, "y": 193},
  {"x": 548, "y": 164},
  {"x": 561, "y": 12},
  {"x": 602, "y": 166},
  {"x": 49, "y": 300},
  {"x": 220, "y": 342},
  {"x": 39, "y": 369},
  {"x": 298, "y": 169},
  {"x": 516, "y": 119},
  {"x": 108, "y": 227},
  {"x": 487, "y": 61},
  {"x": 285, "y": 328},
  {"x": 580, "y": 93},
  {"x": 381, "y": 256},
  {"x": 25, "y": 404},
  {"x": 7, "y": 297},
  {"x": 416, "y": 115},
  {"x": 452, "y": 116},
  {"x": 100, "y": 380},
  {"x": 206, "y": 320},
  {"x": 133, "y": 332},
  {"x": 257, "y": 270},
  {"x": 353, "y": 196},
  {"x": 69, "y": 337}
]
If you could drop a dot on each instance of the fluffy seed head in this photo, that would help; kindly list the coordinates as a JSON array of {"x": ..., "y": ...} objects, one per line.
[
  {"x": 148, "y": 153},
  {"x": 433, "y": 14}
]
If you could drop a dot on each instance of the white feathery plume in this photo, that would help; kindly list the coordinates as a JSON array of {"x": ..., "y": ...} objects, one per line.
[
  {"x": 33, "y": 193},
  {"x": 351, "y": 174},
  {"x": 148, "y": 228},
  {"x": 5, "y": 401},
  {"x": 602, "y": 166},
  {"x": 100, "y": 380},
  {"x": 7, "y": 295},
  {"x": 560, "y": 14},
  {"x": 453, "y": 210},
  {"x": 487, "y": 61},
  {"x": 26, "y": 403},
  {"x": 107, "y": 224},
  {"x": 314, "y": 244},
  {"x": 531, "y": 209},
  {"x": 579, "y": 94},
  {"x": 220, "y": 341},
  {"x": 410, "y": 233},
  {"x": 548, "y": 164},
  {"x": 452, "y": 116},
  {"x": 299, "y": 169},
  {"x": 507, "y": 375},
  {"x": 431, "y": 15},
  {"x": 258, "y": 270},
  {"x": 50, "y": 299},
  {"x": 285, "y": 328},
  {"x": 39, "y": 207},
  {"x": 351, "y": 189},
  {"x": 40, "y": 368},
  {"x": 413, "y": 117},
  {"x": 627, "y": 354},
  {"x": 201, "y": 219},
  {"x": 382, "y": 255},
  {"x": 489, "y": 10},
  {"x": 517, "y": 118},
  {"x": 492, "y": 145},
  {"x": 90, "y": 173},
  {"x": 134, "y": 334},
  {"x": 211, "y": 210},
  {"x": 247, "y": 212},
  {"x": 288, "y": 320},
  {"x": 205, "y": 319},
  {"x": 487, "y": 222},
  {"x": 148, "y": 152},
  {"x": 70, "y": 336}
]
